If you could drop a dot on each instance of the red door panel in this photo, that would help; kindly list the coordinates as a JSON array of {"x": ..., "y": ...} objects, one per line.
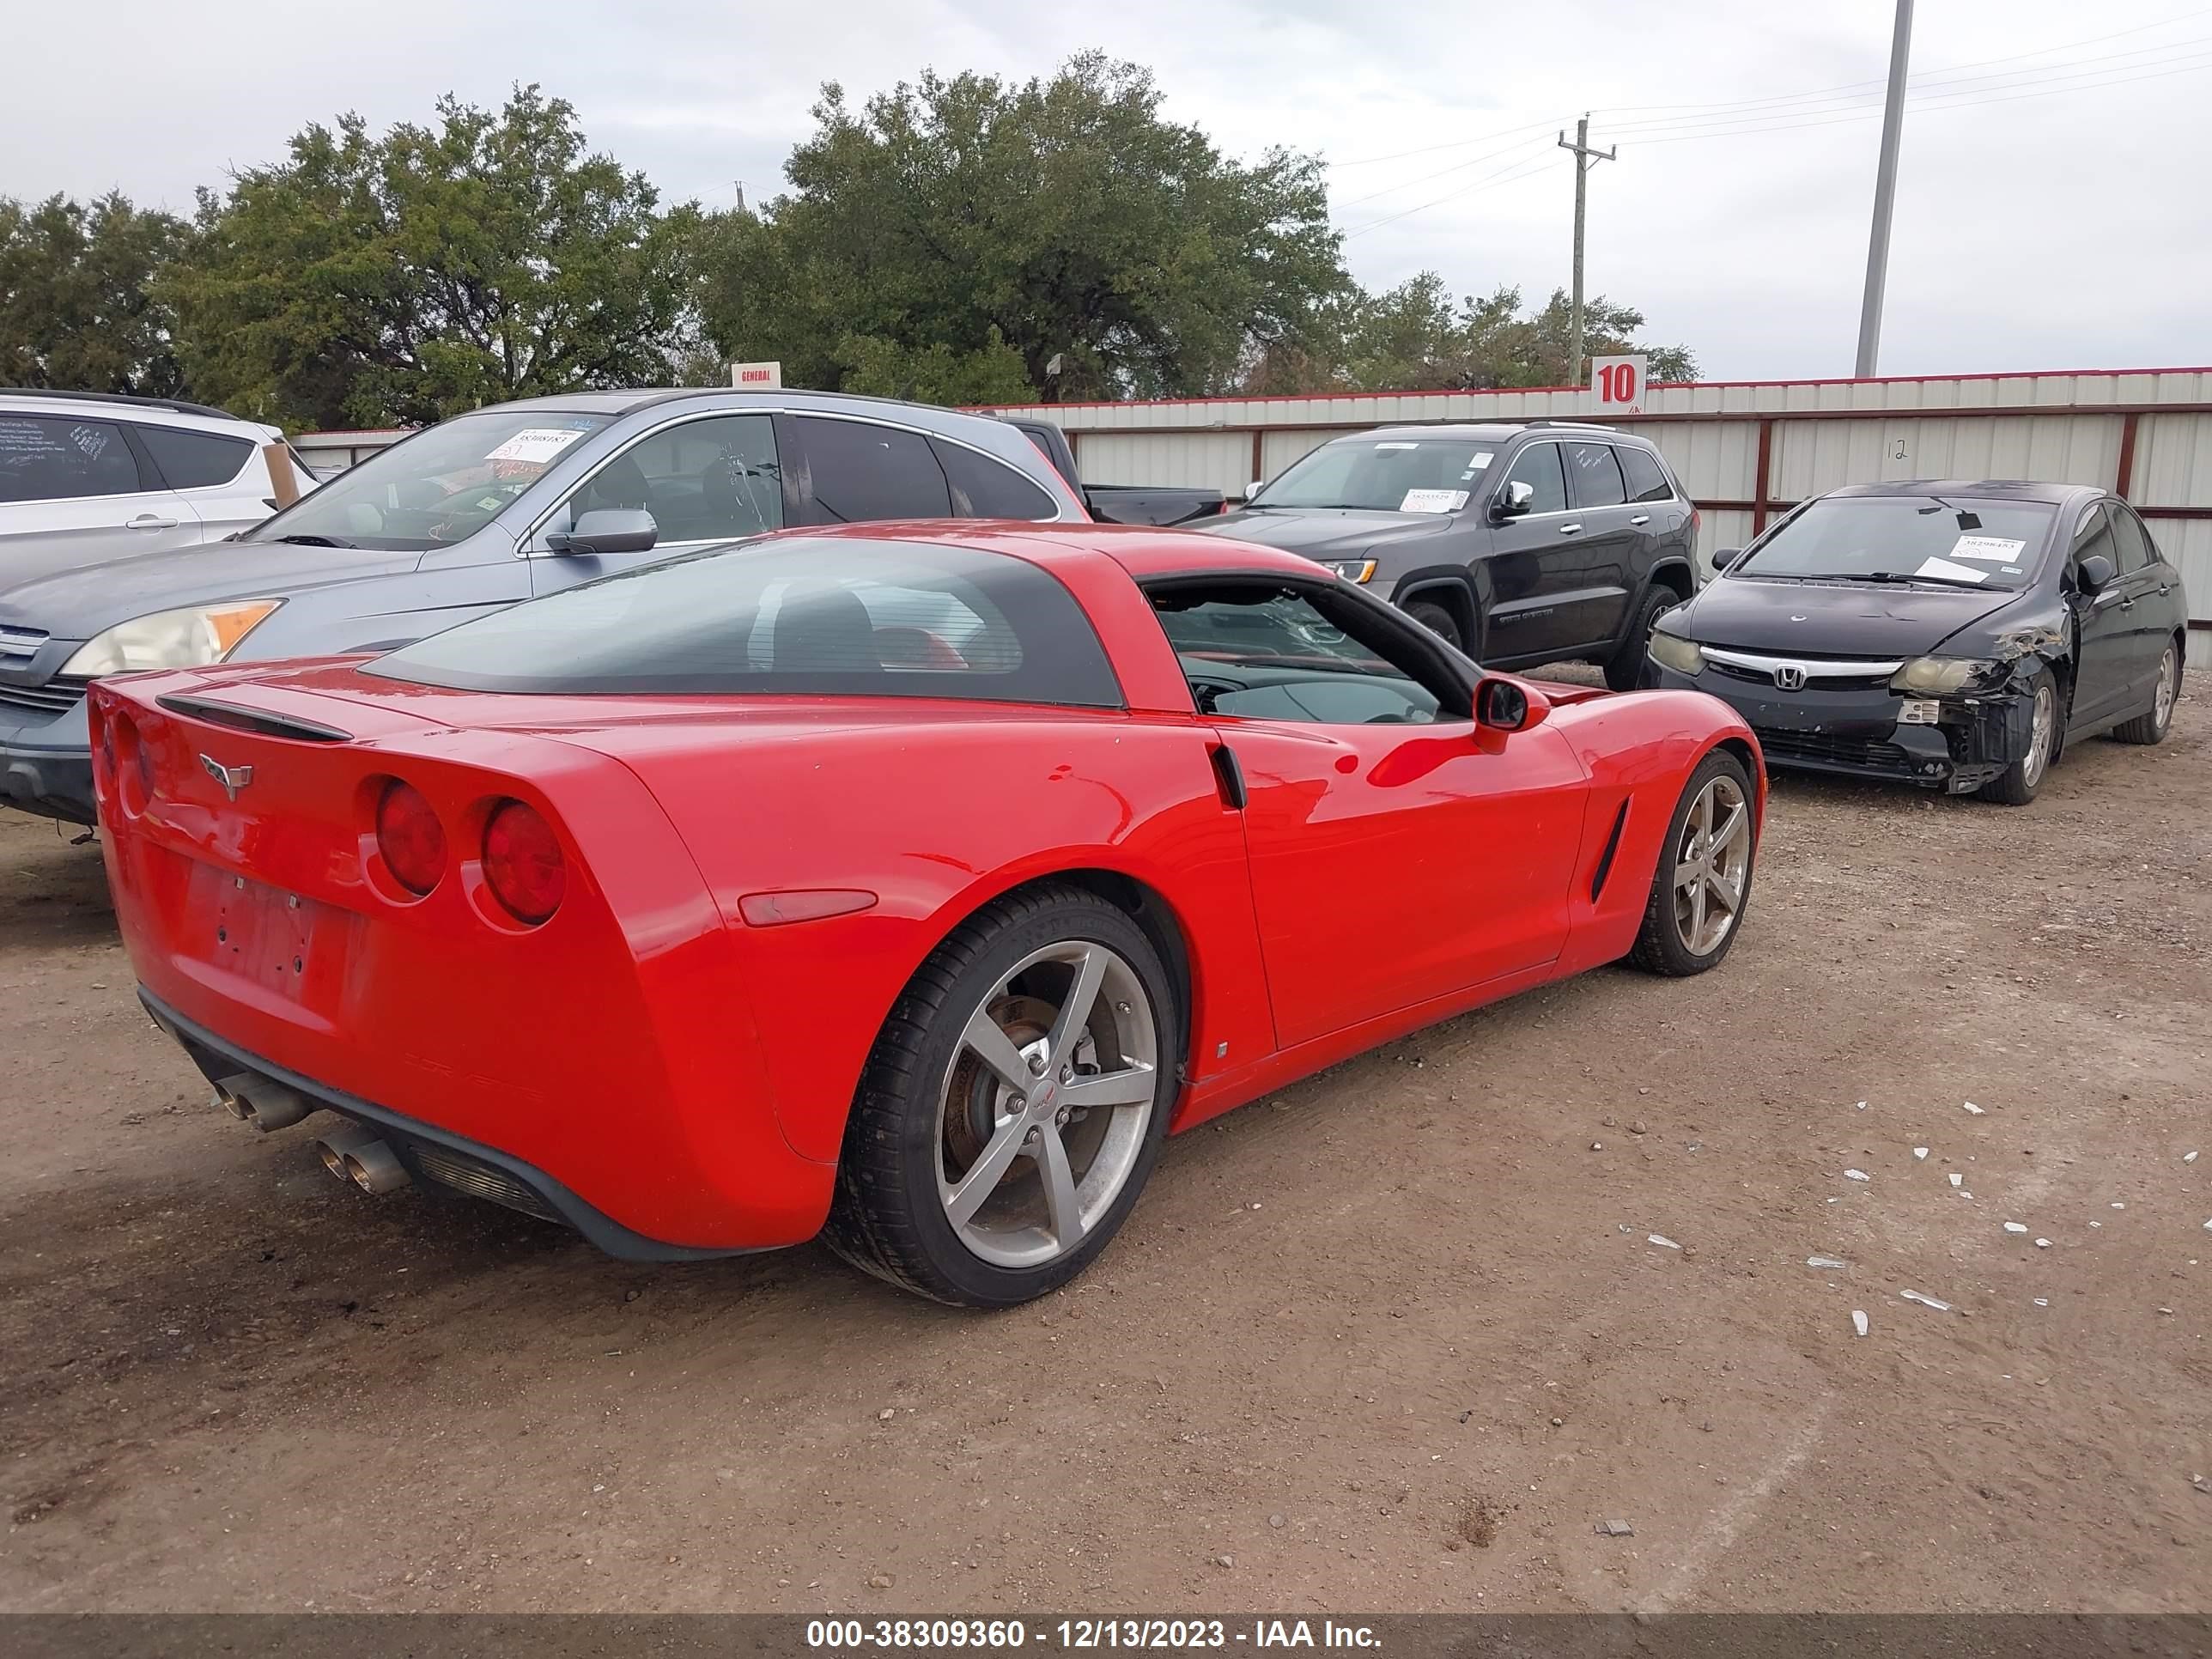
[{"x": 1390, "y": 864}]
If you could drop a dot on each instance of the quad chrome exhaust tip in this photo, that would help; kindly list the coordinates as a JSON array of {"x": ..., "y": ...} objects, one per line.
[
  {"x": 355, "y": 1155},
  {"x": 263, "y": 1104}
]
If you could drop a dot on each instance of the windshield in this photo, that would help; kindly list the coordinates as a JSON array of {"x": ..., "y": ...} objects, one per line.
[
  {"x": 437, "y": 488},
  {"x": 1387, "y": 474},
  {"x": 1943, "y": 540}
]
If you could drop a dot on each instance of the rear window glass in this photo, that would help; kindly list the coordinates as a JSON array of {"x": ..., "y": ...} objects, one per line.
[
  {"x": 1592, "y": 476},
  {"x": 826, "y": 617},
  {"x": 985, "y": 488},
  {"x": 193, "y": 460},
  {"x": 862, "y": 471},
  {"x": 49, "y": 458},
  {"x": 1647, "y": 481}
]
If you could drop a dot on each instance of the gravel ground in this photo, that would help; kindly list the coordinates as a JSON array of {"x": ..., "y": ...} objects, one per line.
[{"x": 1396, "y": 1339}]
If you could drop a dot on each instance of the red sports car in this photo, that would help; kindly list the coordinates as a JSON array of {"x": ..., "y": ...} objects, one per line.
[{"x": 908, "y": 884}]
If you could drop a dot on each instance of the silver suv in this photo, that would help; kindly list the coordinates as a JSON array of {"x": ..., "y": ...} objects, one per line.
[{"x": 86, "y": 477}]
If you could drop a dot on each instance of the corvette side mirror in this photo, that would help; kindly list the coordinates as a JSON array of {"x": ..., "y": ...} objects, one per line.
[{"x": 1503, "y": 705}]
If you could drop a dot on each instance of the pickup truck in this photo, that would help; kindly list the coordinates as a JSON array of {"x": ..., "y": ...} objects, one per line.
[{"x": 1119, "y": 503}]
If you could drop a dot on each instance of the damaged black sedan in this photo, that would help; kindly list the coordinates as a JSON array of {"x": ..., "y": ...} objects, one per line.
[{"x": 1955, "y": 636}]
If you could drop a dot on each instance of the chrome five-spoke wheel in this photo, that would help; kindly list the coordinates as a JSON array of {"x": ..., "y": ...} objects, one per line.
[
  {"x": 1044, "y": 1108},
  {"x": 1712, "y": 865},
  {"x": 1703, "y": 885},
  {"x": 1013, "y": 1104}
]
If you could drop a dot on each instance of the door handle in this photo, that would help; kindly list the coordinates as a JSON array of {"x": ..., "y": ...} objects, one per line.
[
  {"x": 150, "y": 521},
  {"x": 1641, "y": 518},
  {"x": 1571, "y": 530}
]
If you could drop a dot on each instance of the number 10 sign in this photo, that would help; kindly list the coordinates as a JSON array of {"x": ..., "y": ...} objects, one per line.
[{"x": 1617, "y": 383}]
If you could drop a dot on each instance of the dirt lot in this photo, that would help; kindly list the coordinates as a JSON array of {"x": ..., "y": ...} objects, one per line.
[{"x": 1394, "y": 1340}]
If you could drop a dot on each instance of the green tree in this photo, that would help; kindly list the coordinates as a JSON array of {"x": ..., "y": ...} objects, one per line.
[
  {"x": 77, "y": 307},
  {"x": 378, "y": 281},
  {"x": 957, "y": 239},
  {"x": 1415, "y": 337}
]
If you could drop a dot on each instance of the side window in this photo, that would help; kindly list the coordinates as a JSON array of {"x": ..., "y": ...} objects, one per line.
[
  {"x": 2093, "y": 535},
  {"x": 1592, "y": 476},
  {"x": 194, "y": 460},
  {"x": 51, "y": 458},
  {"x": 863, "y": 472},
  {"x": 1254, "y": 651},
  {"x": 2128, "y": 536},
  {"x": 985, "y": 488},
  {"x": 1538, "y": 466},
  {"x": 1647, "y": 480},
  {"x": 712, "y": 480}
]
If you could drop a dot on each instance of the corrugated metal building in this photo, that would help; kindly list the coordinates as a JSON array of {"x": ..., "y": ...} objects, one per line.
[{"x": 1746, "y": 449}]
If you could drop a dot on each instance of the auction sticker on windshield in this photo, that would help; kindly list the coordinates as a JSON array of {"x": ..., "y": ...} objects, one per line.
[
  {"x": 1433, "y": 501},
  {"x": 540, "y": 444},
  {"x": 1947, "y": 571},
  {"x": 1997, "y": 550}
]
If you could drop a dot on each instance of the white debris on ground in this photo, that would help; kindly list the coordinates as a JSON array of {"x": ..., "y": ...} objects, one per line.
[
  {"x": 1958, "y": 1180},
  {"x": 1859, "y": 1321},
  {"x": 1857, "y": 1174},
  {"x": 2015, "y": 1226},
  {"x": 1975, "y": 1110},
  {"x": 1826, "y": 1262},
  {"x": 1662, "y": 1240},
  {"x": 1919, "y": 1151},
  {"x": 1925, "y": 1301}
]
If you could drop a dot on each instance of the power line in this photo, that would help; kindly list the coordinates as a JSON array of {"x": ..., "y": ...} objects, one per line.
[
  {"x": 1514, "y": 173},
  {"x": 1489, "y": 181},
  {"x": 1949, "y": 69},
  {"x": 1462, "y": 166},
  {"x": 1457, "y": 143},
  {"x": 1833, "y": 118},
  {"x": 2041, "y": 74}
]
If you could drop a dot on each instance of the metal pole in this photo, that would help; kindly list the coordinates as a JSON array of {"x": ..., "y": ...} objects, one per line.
[
  {"x": 1584, "y": 156},
  {"x": 1582, "y": 191},
  {"x": 1885, "y": 194}
]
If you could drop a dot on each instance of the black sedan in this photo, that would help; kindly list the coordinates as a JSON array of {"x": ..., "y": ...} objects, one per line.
[{"x": 1956, "y": 636}]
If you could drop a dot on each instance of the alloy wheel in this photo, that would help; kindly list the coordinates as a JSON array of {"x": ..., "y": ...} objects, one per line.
[
  {"x": 2045, "y": 721},
  {"x": 2161, "y": 709},
  {"x": 1712, "y": 866},
  {"x": 1044, "y": 1108}
]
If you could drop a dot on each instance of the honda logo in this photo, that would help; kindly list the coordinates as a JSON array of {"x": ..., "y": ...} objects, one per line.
[
  {"x": 232, "y": 778},
  {"x": 1789, "y": 675}
]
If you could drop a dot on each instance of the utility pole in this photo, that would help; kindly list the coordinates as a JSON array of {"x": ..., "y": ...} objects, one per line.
[
  {"x": 1885, "y": 194},
  {"x": 1584, "y": 156}
]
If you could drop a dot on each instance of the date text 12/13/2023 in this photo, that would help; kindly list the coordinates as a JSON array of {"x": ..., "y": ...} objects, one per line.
[{"x": 1081, "y": 1634}]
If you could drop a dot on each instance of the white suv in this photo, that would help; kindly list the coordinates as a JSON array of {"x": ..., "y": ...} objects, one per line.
[{"x": 89, "y": 477}]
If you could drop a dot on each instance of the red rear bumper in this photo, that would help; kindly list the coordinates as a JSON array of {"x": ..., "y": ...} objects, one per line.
[{"x": 606, "y": 1060}]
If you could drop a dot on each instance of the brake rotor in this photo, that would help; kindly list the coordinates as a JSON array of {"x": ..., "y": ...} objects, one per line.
[{"x": 971, "y": 1100}]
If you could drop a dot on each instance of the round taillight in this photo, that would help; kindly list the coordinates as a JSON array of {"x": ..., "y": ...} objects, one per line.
[
  {"x": 410, "y": 837},
  {"x": 522, "y": 862}
]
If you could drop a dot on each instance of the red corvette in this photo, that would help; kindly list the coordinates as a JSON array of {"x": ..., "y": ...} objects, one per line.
[{"x": 910, "y": 882}]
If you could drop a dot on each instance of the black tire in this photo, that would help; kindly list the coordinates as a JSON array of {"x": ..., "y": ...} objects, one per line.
[
  {"x": 1660, "y": 946},
  {"x": 1438, "y": 621},
  {"x": 887, "y": 1216},
  {"x": 2016, "y": 784},
  {"x": 2156, "y": 721},
  {"x": 1624, "y": 669}
]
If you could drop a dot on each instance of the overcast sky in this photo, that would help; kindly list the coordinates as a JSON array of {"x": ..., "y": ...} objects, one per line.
[{"x": 2069, "y": 228}]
